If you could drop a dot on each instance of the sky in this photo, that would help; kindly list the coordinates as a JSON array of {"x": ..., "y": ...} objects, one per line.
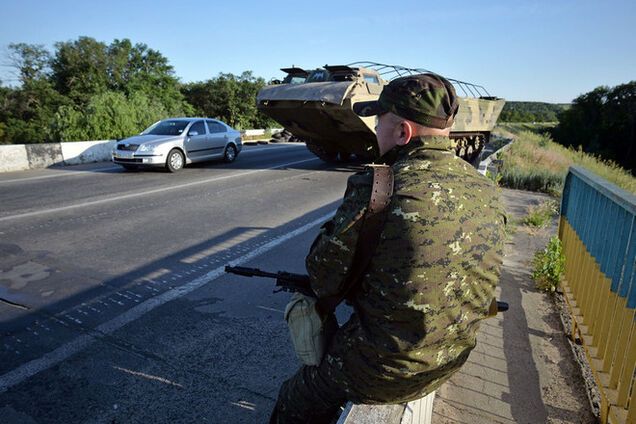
[{"x": 543, "y": 50}]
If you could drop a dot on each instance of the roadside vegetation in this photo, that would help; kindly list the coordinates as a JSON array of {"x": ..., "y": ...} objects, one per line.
[
  {"x": 535, "y": 162},
  {"x": 540, "y": 216},
  {"x": 549, "y": 266},
  {"x": 86, "y": 89}
]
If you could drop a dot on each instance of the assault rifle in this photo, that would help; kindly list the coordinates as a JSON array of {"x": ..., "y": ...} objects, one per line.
[
  {"x": 289, "y": 282},
  {"x": 285, "y": 281}
]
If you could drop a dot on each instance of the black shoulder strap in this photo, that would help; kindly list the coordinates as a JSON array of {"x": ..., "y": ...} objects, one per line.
[{"x": 369, "y": 237}]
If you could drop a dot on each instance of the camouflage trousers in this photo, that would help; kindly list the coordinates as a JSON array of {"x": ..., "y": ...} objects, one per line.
[{"x": 311, "y": 396}]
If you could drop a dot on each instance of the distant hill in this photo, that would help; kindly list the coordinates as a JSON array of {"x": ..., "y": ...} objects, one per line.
[{"x": 531, "y": 111}]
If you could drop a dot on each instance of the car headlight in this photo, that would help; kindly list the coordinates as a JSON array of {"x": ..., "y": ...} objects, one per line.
[{"x": 146, "y": 148}]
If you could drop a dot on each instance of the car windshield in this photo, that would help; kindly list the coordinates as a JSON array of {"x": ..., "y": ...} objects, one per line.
[{"x": 166, "y": 128}]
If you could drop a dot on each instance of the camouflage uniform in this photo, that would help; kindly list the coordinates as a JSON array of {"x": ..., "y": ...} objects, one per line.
[{"x": 429, "y": 283}]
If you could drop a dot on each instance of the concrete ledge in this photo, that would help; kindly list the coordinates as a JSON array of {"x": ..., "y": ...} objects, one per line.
[
  {"x": 13, "y": 158},
  {"x": 419, "y": 411},
  {"x": 44, "y": 155},
  {"x": 77, "y": 152},
  {"x": 372, "y": 414}
]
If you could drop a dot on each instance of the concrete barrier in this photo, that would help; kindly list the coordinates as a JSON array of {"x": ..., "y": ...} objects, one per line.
[
  {"x": 77, "y": 152},
  {"x": 43, "y": 155},
  {"x": 19, "y": 157},
  {"x": 253, "y": 132},
  {"x": 13, "y": 158}
]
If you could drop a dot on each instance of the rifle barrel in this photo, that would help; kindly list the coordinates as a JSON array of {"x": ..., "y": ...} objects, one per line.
[{"x": 249, "y": 272}]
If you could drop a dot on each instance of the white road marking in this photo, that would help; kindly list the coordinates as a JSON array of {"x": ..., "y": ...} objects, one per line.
[
  {"x": 64, "y": 173},
  {"x": 147, "y": 192},
  {"x": 148, "y": 376},
  {"x": 59, "y": 173},
  {"x": 270, "y": 309},
  {"x": 50, "y": 359}
]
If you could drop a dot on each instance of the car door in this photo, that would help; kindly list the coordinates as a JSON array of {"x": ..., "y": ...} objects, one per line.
[
  {"x": 196, "y": 143},
  {"x": 217, "y": 136}
]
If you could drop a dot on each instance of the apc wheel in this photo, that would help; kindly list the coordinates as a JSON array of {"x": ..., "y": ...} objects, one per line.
[
  {"x": 130, "y": 167},
  {"x": 230, "y": 153},
  {"x": 175, "y": 161}
]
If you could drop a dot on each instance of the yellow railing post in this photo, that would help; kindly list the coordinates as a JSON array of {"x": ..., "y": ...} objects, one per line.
[{"x": 600, "y": 285}]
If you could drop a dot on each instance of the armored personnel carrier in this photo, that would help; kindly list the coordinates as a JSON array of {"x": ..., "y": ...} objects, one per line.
[{"x": 316, "y": 106}]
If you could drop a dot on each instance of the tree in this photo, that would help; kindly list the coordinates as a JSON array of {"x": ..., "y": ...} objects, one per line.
[
  {"x": 67, "y": 95},
  {"x": 32, "y": 61},
  {"x": 139, "y": 69},
  {"x": 602, "y": 122},
  {"x": 80, "y": 69},
  {"x": 530, "y": 112},
  {"x": 230, "y": 98},
  {"x": 26, "y": 112}
]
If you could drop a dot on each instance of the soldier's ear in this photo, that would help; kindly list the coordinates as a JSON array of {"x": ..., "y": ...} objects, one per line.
[{"x": 405, "y": 132}]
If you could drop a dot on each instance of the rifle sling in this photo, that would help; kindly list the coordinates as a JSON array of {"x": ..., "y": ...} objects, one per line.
[{"x": 369, "y": 237}]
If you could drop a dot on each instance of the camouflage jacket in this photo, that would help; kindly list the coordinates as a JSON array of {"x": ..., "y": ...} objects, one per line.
[{"x": 429, "y": 283}]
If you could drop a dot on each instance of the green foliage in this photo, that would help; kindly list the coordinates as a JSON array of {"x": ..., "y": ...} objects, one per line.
[
  {"x": 230, "y": 98},
  {"x": 541, "y": 215},
  {"x": 27, "y": 112},
  {"x": 530, "y": 112},
  {"x": 108, "y": 115},
  {"x": 87, "y": 90},
  {"x": 549, "y": 266},
  {"x": 539, "y": 180},
  {"x": 493, "y": 176},
  {"x": 602, "y": 122},
  {"x": 534, "y": 162}
]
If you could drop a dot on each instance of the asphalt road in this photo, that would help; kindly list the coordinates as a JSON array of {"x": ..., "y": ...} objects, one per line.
[{"x": 114, "y": 307}]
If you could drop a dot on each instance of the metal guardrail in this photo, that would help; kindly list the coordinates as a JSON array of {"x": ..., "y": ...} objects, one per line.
[{"x": 598, "y": 232}]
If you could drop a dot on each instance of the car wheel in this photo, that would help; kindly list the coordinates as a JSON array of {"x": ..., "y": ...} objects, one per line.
[
  {"x": 175, "y": 160},
  {"x": 230, "y": 153},
  {"x": 130, "y": 167}
]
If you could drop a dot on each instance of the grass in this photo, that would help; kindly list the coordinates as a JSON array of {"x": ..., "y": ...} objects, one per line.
[
  {"x": 534, "y": 162},
  {"x": 540, "y": 216}
]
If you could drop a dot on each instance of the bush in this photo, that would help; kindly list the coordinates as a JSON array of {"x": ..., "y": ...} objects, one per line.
[
  {"x": 108, "y": 115},
  {"x": 541, "y": 215},
  {"x": 549, "y": 266}
]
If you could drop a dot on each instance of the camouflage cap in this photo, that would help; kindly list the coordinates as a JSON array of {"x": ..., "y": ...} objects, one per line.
[{"x": 427, "y": 99}]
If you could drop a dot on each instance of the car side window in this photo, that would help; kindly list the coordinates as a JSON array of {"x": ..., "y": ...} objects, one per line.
[
  {"x": 198, "y": 127},
  {"x": 216, "y": 127}
]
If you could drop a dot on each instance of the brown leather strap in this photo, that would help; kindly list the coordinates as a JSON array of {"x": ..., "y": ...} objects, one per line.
[{"x": 369, "y": 237}]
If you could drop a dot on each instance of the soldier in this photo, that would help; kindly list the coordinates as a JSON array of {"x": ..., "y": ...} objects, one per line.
[{"x": 432, "y": 276}]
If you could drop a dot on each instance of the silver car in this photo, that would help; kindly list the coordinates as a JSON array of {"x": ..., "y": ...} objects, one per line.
[{"x": 173, "y": 143}]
